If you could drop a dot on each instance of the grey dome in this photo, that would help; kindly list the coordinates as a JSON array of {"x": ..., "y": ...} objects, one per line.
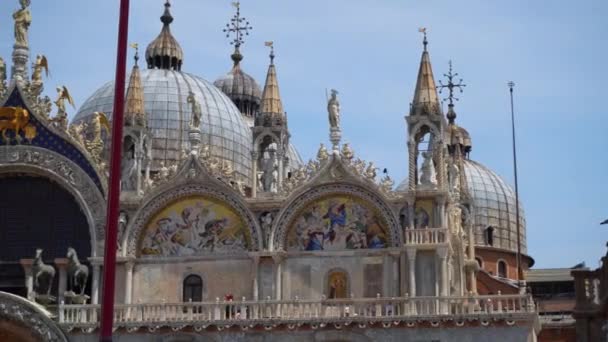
[
  {"x": 494, "y": 202},
  {"x": 168, "y": 114},
  {"x": 242, "y": 89}
]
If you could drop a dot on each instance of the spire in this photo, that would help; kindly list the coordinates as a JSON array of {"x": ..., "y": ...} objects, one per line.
[
  {"x": 238, "y": 26},
  {"x": 165, "y": 52},
  {"x": 271, "y": 99},
  {"x": 426, "y": 100},
  {"x": 134, "y": 107}
]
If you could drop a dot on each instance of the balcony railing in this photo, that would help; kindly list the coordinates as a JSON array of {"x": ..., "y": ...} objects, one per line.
[
  {"x": 307, "y": 311},
  {"x": 426, "y": 236}
]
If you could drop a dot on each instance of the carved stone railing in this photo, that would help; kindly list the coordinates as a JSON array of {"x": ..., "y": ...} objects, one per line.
[
  {"x": 426, "y": 236},
  {"x": 274, "y": 312}
]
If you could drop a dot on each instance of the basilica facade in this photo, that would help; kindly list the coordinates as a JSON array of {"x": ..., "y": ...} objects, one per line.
[{"x": 226, "y": 233}]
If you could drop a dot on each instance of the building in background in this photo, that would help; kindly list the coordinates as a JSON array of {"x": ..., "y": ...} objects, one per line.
[{"x": 226, "y": 233}]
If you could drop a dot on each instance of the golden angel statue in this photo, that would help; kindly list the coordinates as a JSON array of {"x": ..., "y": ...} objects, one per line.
[
  {"x": 61, "y": 119},
  {"x": 37, "y": 67},
  {"x": 23, "y": 19}
]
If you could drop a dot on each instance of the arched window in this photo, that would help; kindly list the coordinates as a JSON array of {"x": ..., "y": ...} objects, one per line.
[
  {"x": 502, "y": 269},
  {"x": 193, "y": 289},
  {"x": 337, "y": 285},
  {"x": 489, "y": 236}
]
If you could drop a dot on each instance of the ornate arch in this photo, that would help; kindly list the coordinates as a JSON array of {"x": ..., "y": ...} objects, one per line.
[
  {"x": 30, "y": 316},
  {"x": 432, "y": 128},
  {"x": 54, "y": 166},
  {"x": 160, "y": 200},
  {"x": 300, "y": 201}
]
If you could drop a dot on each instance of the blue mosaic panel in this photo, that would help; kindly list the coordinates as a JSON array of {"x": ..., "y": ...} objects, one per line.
[{"x": 45, "y": 138}]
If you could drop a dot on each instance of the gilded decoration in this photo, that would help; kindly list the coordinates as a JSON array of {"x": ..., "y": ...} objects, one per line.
[
  {"x": 17, "y": 121},
  {"x": 337, "y": 222},
  {"x": 195, "y": 225}
]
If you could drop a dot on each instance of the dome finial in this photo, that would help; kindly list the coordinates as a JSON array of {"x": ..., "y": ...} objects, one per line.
[
  {"x": 451, "y": 115},
  {"x": 271, "y": 45},
  {"x": 165, "y": 52},
  {"x": 136, "y": 47},
  {"x": 238, "y": 26},
  {"x": 424, "y": 41},
  {"x": 167, "y": 18}
]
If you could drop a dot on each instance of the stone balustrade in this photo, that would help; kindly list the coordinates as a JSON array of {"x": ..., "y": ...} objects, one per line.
[
  {"x": 426, "y": 236},
  {"x": 297, "y": 311}
]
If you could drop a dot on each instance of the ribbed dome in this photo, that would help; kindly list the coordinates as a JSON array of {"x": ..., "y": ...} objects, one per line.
[
  {"x": 494, "y": 202},
  {"x": 241, "y": 88},
  {"x": 168, "y": 115},
  {"x": 165, "y": 52}
]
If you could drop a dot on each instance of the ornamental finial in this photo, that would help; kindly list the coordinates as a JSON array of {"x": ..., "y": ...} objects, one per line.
[
  {"x": 451, "y": 86},
  {"x": 424, "y": 41},
  {"x": 239, "y": 27},
  {"x": 270, "y": 44}
]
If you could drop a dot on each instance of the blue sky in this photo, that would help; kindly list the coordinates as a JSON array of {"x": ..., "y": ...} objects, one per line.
[{"x": 554, "y": 50}]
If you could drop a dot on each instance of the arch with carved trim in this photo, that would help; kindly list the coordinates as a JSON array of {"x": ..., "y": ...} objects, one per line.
[
  {"x": 36, "y": 161},
  {"x": 27, "y": 317},
  {"x": 160, "y": 200},
  {"x": 290, "y": 212}
]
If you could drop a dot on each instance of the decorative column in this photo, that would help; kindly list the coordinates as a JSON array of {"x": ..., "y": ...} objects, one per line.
[
  {"x": 395, "y": 256},
  {"x": 128, "y": 280},
  {"x": 280, "y": 157},
  {"x": 254, "y": 174},
  {"x": 95, "y": 283},
  {"x": 442, "y": 253},
  {"x": 441, "y": 203},
  {"x": 29, "y": 277},
  {"x": 412, "y": 149},
  {"x": 62, "y": 266},
  {"x": 278, "y": 271},
  {"x": 473, "y": 269},
  {"x": 411, "y": 258},
  {"x": 254, "y": 276}
]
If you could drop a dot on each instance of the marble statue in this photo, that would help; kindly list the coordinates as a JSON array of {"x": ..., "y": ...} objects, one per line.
[
  {"x": 2, "y": 75},
  {"x": 322, "y": 154},
  {"x": 268, "y": 176},
  {"x": 387, "y": 183},
  {"x": 128, "y": 179},
  {"x": 195, "y": 121},
  {"x": 333, "y": 108},
  {"x": 78, "y": 274},
  {"x": 123, "y": 219},
  {"x": 23, "y": 20},
  {"x": 347, "y": 152},
  {"x": 427, "y": 170},
  {"x": 370, "y": 172},
  {"x": 266, "y": 222},
  {"x": 227, "y": 170},
  {"x": 274, "y": 184},
  {"x": 454, "y": 176},
  {"x": 43, "y": 275}
]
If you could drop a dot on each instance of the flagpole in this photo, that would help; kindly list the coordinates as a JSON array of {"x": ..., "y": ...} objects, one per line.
[
  {"x": 109, "y": 258},
  {"x": 517, "y": 223}
]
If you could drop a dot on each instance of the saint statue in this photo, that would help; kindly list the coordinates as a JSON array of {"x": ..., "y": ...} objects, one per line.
[
  {"x": 2, "y": 70},
  {"x": 37, "y": 67},
  {"x": 23, "y": 19},
  {"x": 454, "y": 176},
  {"x": 427, "y": 170},
  {"x": 333, "y": 108},
  {"x": 128, "y": 176},
  {"x": 322, "y": 154},
  {"x": 195, "y": 121}
]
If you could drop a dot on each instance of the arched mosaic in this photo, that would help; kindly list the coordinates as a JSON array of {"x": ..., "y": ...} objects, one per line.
[
  {"x": 337, "y": 222},
  {"x": 194, "y": 225},
  {"x": 336, "y": 217}
]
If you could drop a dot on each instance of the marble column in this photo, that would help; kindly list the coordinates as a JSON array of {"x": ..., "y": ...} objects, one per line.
[
  {"x": 278, "y": 272},
  {"x": 411, "y": 258},
  {"x": 442, "y": 253},
  {"x": 472, "y": 270},
  {"x": 395, "y": 256},
  {"x": 29, "y": 277},
  {"x": 254, "y": 173},
  {"x": 280, "y": 157},
  {"x": 62, "y": 266},
  {"x": 95, "y": 284},
  {"x": 128, "y": 280},
  {"x": 254, "y": 276}
]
